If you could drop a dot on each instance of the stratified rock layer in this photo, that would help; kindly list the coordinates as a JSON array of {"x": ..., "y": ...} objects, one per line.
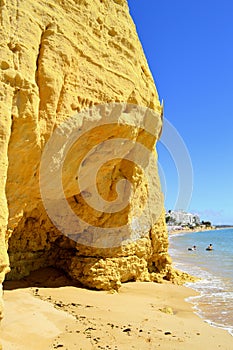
[{"x": 58, "y": 57}]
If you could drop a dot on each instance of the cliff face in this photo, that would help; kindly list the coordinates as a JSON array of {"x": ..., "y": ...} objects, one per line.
[{"x": 57, "y": 58}]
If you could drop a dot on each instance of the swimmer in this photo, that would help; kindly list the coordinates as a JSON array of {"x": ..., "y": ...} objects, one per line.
[{"x": 193, "y": 248}]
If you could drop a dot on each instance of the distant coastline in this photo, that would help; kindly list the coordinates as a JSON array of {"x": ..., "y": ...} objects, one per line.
[
  {"x": 223, "y": 226},
  {"x": 177, "y": 230}
]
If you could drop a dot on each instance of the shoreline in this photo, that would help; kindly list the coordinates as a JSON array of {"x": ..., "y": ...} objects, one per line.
[
  {"x": 142, "y": 315},
  {"x": 187, "y": 230},
  {"x": 200, "y": 305}
]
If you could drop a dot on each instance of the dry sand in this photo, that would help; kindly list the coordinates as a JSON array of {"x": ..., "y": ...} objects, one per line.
[
  {"x": 189, "y": 230},
  {"x": 46, "y": 312}
]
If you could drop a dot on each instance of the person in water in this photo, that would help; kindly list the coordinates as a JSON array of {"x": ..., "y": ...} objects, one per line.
[
  {"x": 210, "y": 247},
  {"x": 193, "y": 248}
]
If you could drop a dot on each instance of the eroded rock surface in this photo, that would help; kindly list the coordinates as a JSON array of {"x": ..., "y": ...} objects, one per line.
[{"x": 57, "y": 58}]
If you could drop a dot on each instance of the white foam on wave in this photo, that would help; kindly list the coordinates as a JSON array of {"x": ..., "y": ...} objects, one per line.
[
  {"x": 214, "y": 302},
  {"x": 212, "y": 291}
]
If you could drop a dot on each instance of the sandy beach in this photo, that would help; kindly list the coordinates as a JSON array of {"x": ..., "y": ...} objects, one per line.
[
  {"x": 47, "y": 312},
  {"x": 189, "y": 230}
]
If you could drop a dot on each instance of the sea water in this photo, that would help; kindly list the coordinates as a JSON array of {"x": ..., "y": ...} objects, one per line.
[{"x": 215, "y": 268}]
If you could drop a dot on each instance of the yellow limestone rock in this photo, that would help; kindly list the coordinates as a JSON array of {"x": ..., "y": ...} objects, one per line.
[{"x": 57, "y": 58}]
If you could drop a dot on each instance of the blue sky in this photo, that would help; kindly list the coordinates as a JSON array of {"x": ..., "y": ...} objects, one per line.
[{"x": 189, "y": 48}]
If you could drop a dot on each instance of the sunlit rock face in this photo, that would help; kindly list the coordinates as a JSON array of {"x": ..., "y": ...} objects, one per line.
[{"x": 59, "y": 58}]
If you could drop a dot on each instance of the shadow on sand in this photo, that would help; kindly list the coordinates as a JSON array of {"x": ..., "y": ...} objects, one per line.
[{"x": 48, "y": 277}]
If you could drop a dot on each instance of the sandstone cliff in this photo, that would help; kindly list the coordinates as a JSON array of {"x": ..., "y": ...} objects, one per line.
[{"x": 57, "y": 58}]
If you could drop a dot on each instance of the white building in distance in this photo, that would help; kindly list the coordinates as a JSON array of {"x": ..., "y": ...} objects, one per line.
[{"x": 181, "y": 218}]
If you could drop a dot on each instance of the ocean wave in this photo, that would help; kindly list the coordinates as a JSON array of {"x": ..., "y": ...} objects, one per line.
[
  {"x": 213, "y": 304},
  {"x": 215, "y": 287}
]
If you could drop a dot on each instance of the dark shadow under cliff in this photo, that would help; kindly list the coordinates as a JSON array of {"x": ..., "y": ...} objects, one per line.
[{"x": 48, "y": 277}]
